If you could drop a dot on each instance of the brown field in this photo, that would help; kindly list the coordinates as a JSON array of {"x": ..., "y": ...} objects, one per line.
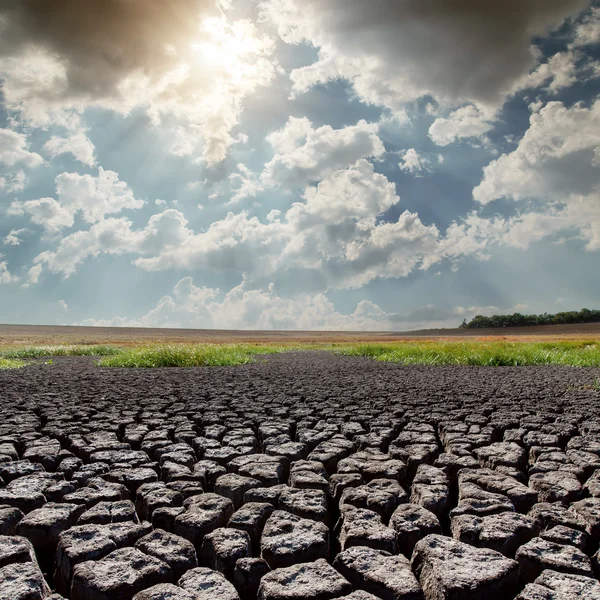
[{"x": 13, "y": 335}]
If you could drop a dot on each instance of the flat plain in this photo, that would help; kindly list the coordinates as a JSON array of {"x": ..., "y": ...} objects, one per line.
[{"x": 299, "y": 475}]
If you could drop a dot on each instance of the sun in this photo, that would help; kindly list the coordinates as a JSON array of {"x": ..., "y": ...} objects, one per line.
[{"x": 228, "y": 47}]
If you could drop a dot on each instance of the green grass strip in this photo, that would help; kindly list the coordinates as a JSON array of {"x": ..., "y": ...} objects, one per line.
[
  {"x": 59, "y": 350},
  {"x": 10, "y": 363},
  {"x": 196, "y": 355},
  {"x": 483, "y": 353}
]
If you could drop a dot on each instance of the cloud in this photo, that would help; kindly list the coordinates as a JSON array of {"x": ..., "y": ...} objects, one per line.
[
  {"x": 13, "y": 150},
  {"x": 305, "y": 155},
  {"x": 413, "y": 162},
  {"x": 181, "y": 59},
  {"x": 557, "y": 156},
  {"x": 240, "y": 308},
  {"x": 13, "y": 238},
  {"x": 46, "y": 212},
  {"x": 77, "y": 144},
  {"x": 330, "y": 239},
  {"x": 401, "y": 50},
  {"x": 5, "y": 275},
  {"x": 93, "y": 196},
  {"x": 587, "y": 32},
  {"x": 13, "y": 182},
  {"x": 466, "y": 122},
  {"x": 63, "y": 305}
]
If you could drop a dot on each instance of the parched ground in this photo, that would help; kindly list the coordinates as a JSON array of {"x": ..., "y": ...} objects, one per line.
[{"x": 302, "y": 475}]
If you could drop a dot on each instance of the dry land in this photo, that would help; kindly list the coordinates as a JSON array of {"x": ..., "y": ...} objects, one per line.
[
  {"x": 133, "y": 336},
  {"x": 298, "y": 475}
]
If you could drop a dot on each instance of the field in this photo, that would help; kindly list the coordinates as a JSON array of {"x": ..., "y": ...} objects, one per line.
[{"x": 299, "y": 474}]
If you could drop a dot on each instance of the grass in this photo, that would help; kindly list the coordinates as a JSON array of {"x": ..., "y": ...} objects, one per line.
[
  {"x": 493, "y": 353},
  {"x": 11, "y": 363},
  {"x": 188, "y": 355},
  {"x": 485, "y": 352},
  {"x": 59, "y": 350}
]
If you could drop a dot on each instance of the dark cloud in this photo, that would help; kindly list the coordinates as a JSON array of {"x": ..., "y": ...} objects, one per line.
[
  {"x": 453, "y": 49},
  {"x": 100, "y": 42}
]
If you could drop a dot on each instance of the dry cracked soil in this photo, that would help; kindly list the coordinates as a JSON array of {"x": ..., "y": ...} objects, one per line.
[{"x": 301, "y": 476}]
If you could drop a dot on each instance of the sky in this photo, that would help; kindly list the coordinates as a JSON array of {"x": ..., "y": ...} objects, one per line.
[{"x": 298, "y": 164}]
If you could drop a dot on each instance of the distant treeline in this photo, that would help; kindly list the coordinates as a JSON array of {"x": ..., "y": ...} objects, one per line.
[{"x": 585, "y": 315}]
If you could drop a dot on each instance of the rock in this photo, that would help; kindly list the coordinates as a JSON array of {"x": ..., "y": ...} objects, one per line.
[
  {"x": 379, "y": 495},
  {"x": 549, "y": 515},
  {"x": 411, "y": 523},
  {"x": 360, "y": 595},
  {"x": 269, "y": 470},
  {"x": 588, "y": 512},
  {"x": 9, "y": 518},
  {"x": 309, "y": 581},
  {"x": 234, "y": 487},
  {"x": 15, "y": 549},
  {"x": 23, "y": 582},
  {"x": 502, "y": 454},
  {"x": 551, "y": 585},
  {"x": 592, "y": 485},
  {"x": 76, "y": 545},
  {"x": 172, "y": 549},
  {"x": 430, "y": 489},
  {"x": 109, "y": 512},
  {"x": 288, "y": 539},
  {"x": 565, "y": 535},
  {"x": 43, "y": 525},
  {"x": 121, "y": 574},
  {"x": 204, "y": 514},
  {"x": 504, "y": 532},
  {"x": 521, "y": 496},
  {"x": 128, "y": 533},
  {"x": 164, "y": 591},
  {"x": 540, "y": 554},
  {"x": 378, "y": 572},
  {"x": 362, "y": 527},
  {"x": 18, "y": 468},
  {"x": 339, "y": 482},
  {"x": 223, "y": 547},
  {"x": 164, "y": 517},
  {"x": 206, "y": 584},
  {"x": 151, "y": 496},
  {"x": 251, "y": 518},
  {"x": 306, "y": 503},
  {"x": 97, "y": 490},
  {"x": 306, "y": 474},
  {"x": 247, "y": 576},
  {"x": 556, "y": 486},
  {"x": 450, "y": 569}
]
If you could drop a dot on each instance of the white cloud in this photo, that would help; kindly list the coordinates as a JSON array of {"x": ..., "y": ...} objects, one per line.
[
  {"x": 331, "y": 239},
  {"x": 33, "y": 276},
  {"x": 413, "y": 162},
  {"x": 13, "y": 238},
  {"x": 466, "y": 122},
  {"x": 180, "y": 59},
  {"x": 555, "y": 158},
  {"x": 587, "y": 32},
  {"x": 63, "y": 305},
  {"x": 13, "y": 150},
  {"x": 46, "y": 212},
  {"x": 13, "y": 182},
  {"x": 93, "y": 196},
  {"x": 404, "y": 50},
  {"x": 5, "y": 275},
  {"x": 240, "y": 308},
  {"x": 77, "y": 144},
  {"x": 306, "y": 155}
]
